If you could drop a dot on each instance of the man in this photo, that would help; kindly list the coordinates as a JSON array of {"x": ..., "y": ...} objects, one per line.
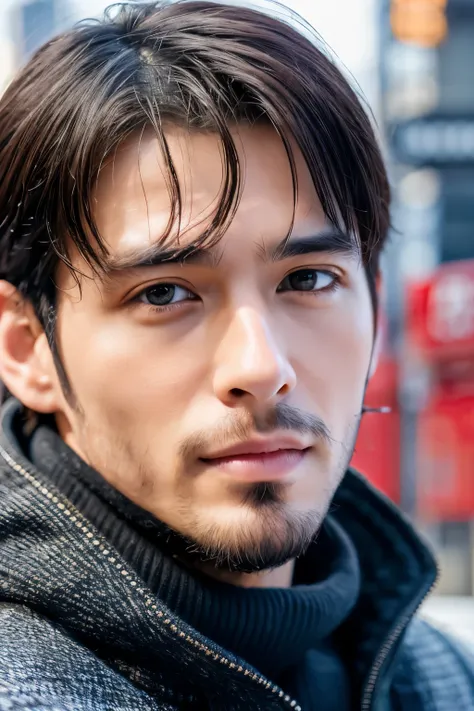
[{"x": 192, "y": 209}]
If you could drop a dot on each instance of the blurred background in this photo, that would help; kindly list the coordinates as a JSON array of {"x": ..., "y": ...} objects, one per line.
[{"x": 413, "y": 62}]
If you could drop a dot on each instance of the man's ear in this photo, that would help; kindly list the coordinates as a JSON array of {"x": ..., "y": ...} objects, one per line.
[
  {"x": 379, "y": 327},
  {"x": 26, "y": 362}
]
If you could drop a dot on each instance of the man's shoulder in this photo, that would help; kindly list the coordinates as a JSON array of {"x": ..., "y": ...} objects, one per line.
[
  {"x": 45, "y": 669},
  {"x": 435, "y": 671}
]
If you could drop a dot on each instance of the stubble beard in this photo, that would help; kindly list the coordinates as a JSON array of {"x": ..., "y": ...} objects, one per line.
[{"x": 269, "y": 533}]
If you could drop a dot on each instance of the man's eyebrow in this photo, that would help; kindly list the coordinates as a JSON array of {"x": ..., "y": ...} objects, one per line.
[
  {"x": 156, "y": 255},
  {"x": 330, "y": 241}
]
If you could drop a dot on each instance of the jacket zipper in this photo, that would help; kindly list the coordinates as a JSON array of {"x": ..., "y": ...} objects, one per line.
[
  {"x": 387, "y": 647},
  {"x": 93, "y": 537}
]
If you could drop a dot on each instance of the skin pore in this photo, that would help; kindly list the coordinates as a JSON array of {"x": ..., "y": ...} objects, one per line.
[{"x": 171, "y": 363}]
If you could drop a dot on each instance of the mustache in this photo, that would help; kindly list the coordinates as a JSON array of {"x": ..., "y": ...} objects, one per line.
[{"x": 240, "y": 426}]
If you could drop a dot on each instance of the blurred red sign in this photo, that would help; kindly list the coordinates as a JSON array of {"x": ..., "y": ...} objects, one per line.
[
  {"x": 377, "y": 452},
  {"x": 445, "y": 479},
  {"x": 440, "y": 312}
]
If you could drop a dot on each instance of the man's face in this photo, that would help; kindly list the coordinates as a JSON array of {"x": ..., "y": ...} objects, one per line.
[{"x": 222, "y": 394}]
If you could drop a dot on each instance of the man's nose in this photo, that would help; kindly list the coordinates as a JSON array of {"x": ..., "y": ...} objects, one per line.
[{"x": 250, "y": 363}]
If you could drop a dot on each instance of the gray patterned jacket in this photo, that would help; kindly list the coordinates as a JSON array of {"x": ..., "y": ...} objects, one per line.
[{"x": 79, "y": 631}]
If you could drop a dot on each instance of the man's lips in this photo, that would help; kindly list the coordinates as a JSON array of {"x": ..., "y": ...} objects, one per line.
[
  {"x": 258, "y": 447},
  {"x": 263, "y": 461}
]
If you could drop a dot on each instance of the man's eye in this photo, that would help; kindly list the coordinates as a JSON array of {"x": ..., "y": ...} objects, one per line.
[
  {"x": 308, "y": 280},
  {"x": 165, "y": 295}
]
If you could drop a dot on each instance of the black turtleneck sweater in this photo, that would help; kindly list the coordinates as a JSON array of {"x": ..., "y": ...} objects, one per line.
[{"x": 284, "y": 633}]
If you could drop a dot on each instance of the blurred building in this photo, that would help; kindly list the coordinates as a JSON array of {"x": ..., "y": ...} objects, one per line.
[{"x": 427, "y": 108}]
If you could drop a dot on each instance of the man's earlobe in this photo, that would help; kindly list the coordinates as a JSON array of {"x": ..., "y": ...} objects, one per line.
[{"x": 24, "y": 369}]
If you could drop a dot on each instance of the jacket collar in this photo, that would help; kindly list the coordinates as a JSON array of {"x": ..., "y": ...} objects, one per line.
[
  {"x": 397, "y": 571},
  {"x": 68, "y": 572}
]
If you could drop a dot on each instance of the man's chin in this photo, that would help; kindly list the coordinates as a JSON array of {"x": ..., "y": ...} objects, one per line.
[{"x": 253, "y": 541}]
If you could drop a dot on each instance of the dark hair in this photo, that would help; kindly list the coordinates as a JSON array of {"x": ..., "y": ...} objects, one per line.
[{"x": 195, "y": 63}]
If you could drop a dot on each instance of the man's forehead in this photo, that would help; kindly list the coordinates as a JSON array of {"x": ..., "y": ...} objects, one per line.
[
  {"x": 133, "y": 201},
  {"x": 139, "y": 175}
]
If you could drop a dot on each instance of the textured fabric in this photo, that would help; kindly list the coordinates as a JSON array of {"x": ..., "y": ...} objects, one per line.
[
  {"x": 79, "y": 629},
  {"x": 435, "y": 672},
  {"x": 316, "y": 681},
  {"x": 272, "y": 629},
  {"x": 43, "y": 669}
]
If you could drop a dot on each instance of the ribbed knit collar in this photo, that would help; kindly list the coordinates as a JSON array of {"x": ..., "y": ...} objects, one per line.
[{"x": 270, "y": 628}]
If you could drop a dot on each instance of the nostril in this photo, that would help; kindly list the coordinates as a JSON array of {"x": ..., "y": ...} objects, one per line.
[{"x": 237, "y": 393}]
